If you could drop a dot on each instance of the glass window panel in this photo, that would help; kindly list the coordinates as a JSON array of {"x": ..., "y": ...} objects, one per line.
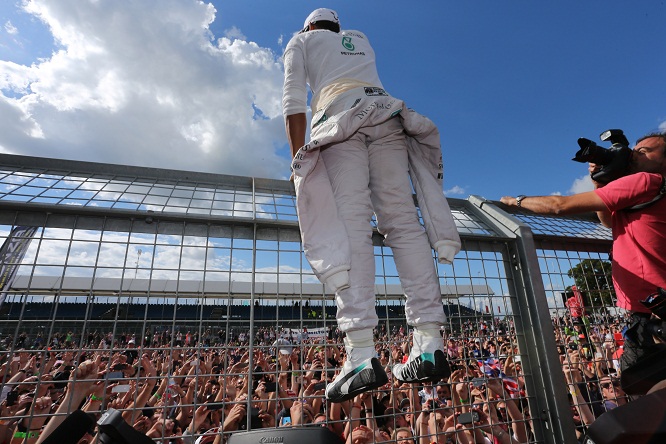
[
  {"x": 155, "y": 200},
  {"x": 82, "y": 253},
  {"x": 112, "y": 254},
  {"x": 167, "y": 257},
  {"x": 194, "y": 258},
  {"x": 159, "y": 191}
]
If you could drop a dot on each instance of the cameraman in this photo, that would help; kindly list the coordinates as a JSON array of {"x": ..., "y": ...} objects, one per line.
[{"x": 639, "y": 235}]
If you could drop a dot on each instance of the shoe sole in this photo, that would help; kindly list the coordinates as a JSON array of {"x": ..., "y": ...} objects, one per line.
[{"x": 369, "y": 381}]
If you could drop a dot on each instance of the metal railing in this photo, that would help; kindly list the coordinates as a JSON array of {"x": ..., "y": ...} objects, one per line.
[{"x": 200, "y": 267}]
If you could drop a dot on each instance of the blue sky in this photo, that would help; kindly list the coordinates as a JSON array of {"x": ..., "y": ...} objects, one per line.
[{"x": 197, "y": 85}]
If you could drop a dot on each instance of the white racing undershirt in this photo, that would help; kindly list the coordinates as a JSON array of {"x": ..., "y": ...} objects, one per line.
[{"x": 330, "y": 63}]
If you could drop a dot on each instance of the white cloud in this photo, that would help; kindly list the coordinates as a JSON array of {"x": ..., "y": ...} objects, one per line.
[
  {"x": 581, "y": 185},
  {"x": 455, "y": 191},
  {"x": 10, "y": 28},
  {"x": 146, "y": 83},
  {"x": 234, "y": 33},
  {"x": 662, "y": 127}
]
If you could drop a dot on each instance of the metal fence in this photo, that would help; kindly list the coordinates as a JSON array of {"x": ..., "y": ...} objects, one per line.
[{"x": 203, "y": 273}]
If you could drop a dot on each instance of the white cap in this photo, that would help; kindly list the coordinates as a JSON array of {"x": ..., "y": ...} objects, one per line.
[
  {"x": 284, "y": 346},
  {"x": 322, "y": 14}
]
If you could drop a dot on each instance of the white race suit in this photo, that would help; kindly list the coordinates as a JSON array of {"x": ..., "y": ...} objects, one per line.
[{"x": 365, "y": 147}]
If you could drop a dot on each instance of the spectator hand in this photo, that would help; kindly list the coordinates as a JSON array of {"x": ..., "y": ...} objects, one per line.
[
  {"x": 237, "y": 413},
  {"x": 198, "y": 418},
  {"x": 82, "y": 379},
  {"x": 361, "y": 435},
  {"x": 301, "y": 413},
  {"x": 267, "y": 420},
  {"x": 142, "y": 424}
]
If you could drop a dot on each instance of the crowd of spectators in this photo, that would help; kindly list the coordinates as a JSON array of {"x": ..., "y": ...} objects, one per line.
[{"x": 198, "y": 387}]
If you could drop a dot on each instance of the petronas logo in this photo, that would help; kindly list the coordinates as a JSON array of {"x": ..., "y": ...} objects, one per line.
[{"x": 347, "y": 43}]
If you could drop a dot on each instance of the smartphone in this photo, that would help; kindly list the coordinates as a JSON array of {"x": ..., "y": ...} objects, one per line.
[
  {"x": 195, "y": 363},
  {"x": 479, "y": 382},
  {"x": 12, "y": 397},
  {"x": 271, "y": 386},
  {"x": 16, "y": 359},
  {"x": 120, "y": 388},
  {"x": 431, "y": 404},
  {"x": 214, "y": 406},
  {"x": 255, "y": 421},
  {"x": 468, "y": 418},
  {"x": 285, "y": 420},
  {"x": 60, "y": 379},
  {"x": 115, "y": 375},
  {"x": 319, "y": 386}
]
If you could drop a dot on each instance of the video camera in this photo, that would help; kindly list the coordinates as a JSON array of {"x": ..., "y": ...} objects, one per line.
[
  {"x": 651, "y": 368},
  {"x": 614, "y": 160},
  {"x": 113, "y": 429},
  {"x": 641, "y": 421},
  {"x": 656, "y": 302}
]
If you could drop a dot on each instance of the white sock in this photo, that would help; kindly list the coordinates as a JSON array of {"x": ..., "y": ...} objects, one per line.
[
  {"x": 360, "y": 345},
  {"x": 427, "y": 338},
  {"x": 430, "y": 329}
]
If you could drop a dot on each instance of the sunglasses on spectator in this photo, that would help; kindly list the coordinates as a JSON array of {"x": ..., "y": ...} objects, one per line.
[{"x": 607, "y": 385}]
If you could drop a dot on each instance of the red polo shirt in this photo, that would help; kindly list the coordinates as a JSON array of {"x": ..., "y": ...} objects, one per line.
[{"x": 639, "y": 238}]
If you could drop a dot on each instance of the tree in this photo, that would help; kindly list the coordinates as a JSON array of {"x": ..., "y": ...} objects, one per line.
[{"x": 593, "y": 279}]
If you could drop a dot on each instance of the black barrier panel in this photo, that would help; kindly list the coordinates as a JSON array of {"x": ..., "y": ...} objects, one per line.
[{"x": 286, "y": 435}]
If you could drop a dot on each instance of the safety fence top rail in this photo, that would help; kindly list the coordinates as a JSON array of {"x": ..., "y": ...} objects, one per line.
[
  {"x": 576, "y": 227},
  {"x": 128, "y": 190}
]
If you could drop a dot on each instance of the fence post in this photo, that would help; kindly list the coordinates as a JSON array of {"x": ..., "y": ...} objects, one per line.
[{"x": 536, "y": 325}]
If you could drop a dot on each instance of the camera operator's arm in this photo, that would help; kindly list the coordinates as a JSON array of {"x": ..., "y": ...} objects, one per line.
[
  {"x": 603, "y": 215},
  {"x": 558, "y": 205}
]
